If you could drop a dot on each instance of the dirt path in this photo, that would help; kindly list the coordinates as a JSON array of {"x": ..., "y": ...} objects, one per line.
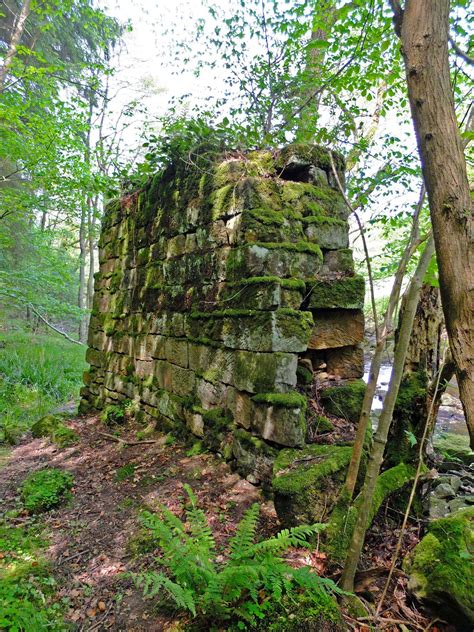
[{"x": 90, "y": 538}]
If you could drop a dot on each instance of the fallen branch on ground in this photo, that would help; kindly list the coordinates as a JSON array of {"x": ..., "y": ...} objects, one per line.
[{"x": 112, "y": 437}]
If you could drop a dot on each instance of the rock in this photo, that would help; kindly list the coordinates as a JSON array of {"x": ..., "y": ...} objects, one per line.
[
  {"x": 306, "y": 482},
  {"x": 438, "y": 508},
  {"x": 344, "y": 400},
  {"x": 454, "y": 447},
  {"x": 458, "y": 504},
  {"x": 441, "y": 569},
  {"x": 444, "y": 490},
  {"x": 346, "y": 292},
  {"x": 336, "y": 328},
  {"x": 254, "y": 458},
  {"x": 346, "y": 362}
]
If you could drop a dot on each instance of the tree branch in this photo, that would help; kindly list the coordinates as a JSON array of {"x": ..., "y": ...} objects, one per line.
[{"x": 43, "y": 319}]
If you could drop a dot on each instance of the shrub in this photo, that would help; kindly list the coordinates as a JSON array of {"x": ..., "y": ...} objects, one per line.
[
  {"x": 45, "y": 489},
  {"x": 113, "y": 414},
  {"x": 240, "y": 589}
]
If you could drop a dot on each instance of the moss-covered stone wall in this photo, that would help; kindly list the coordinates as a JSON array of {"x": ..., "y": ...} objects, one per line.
[{"x": 216, "y": 281}]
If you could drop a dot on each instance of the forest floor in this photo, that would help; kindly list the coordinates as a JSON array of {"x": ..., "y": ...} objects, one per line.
[{"x": 95, "y": 541}]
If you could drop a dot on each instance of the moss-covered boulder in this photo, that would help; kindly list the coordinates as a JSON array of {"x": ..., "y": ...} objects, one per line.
[
  {"x": 344, "y": 400},
  {"x": 306, "y": 482},
  {"x": 441, "y": 568},
  {"x": 454, "y": 447},
  {"x": 53, "y": 427}
]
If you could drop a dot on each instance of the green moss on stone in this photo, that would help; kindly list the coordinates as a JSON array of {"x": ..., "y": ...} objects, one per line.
[
  {"x": 286, "y": 400},
  {"x": 299, "y": 246},
  {"x": 344, "y": 400},
  {"x": 323, "y": 424},
  {"x": 306, "y": 482},
  {"x": 288, "y": 284},
  {"x": 304, "y": 375},
  {"x": 346, "y": 293},
  {"x": 45, "y": 489},
  {"x": 441, "y": 567},
  {"x": 454, "y": 447},
  {"x": 323, "y": 219}
]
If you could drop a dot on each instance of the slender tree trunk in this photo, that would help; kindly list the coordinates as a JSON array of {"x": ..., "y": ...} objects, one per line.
[
  {"x": 423, "y": 28},
  {"x": 380, "y": 439},
  {"x": 18, "y": 29},
  {"x": 323, "y": 22},
  {"x": 421, "y": 367},
  {"x": 81, "y": 302},
  {"x": 376, "y": 362},
  {"x": 91, "y": 207}
]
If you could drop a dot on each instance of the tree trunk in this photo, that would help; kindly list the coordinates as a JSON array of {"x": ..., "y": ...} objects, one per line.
[
  {"x": 18, "y": 29},
  {"x": 91, "y": 207},
  {"x": 323, "y": 21},
  {"x": 424, "y": 29},
  {"x": 82, "y": 277},
  {"x": 421, "y": 367},
  {"x": 376, "y": 362},
  {"x": 380, "y": 439}
]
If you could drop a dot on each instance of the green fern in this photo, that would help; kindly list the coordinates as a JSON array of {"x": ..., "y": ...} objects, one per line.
[{"x": 242, "y": 588}]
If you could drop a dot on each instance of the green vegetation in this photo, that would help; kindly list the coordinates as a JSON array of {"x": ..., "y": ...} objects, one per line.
[
  {"x": 125, "y": 472},
  {"x": 45, "y": 489},
  {"x": 344, "y": 400},
  {"x": 27, "y": 590},
  {"x": 53, "y": 426},
  {"x": 37, "y": 373},
  {"x": 286, "y": 400},
  {"x": 441, "y": 566},
  {"x": 245, "y": 586}
]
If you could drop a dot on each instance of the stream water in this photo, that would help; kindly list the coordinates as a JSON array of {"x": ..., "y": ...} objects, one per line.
[{"x": 450, "y": 416}]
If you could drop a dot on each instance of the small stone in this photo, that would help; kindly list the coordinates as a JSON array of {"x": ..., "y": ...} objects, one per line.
[
  {"x": 458, "y": 503},
  {"x": 444, "y": 491},
  {"x": 438, "y": 508}
]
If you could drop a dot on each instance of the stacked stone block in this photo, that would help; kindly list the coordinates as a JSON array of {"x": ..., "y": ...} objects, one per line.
[{"x": 215, "y": 281}]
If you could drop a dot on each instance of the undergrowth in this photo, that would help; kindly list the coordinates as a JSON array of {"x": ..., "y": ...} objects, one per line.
[
  {"x": 37, "y": 374},
  {"x": 45, "y": 489},
  {"x": 27, "y": 590},
  {"x": 237, "y": 591}
]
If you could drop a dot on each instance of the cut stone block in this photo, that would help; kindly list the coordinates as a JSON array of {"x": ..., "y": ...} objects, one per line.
[
  {"x": 336, "y": 328},
  {"x": 284, "y": 260},
  {"x": 345, "y": 362},
  {"x": 280, "y": 330},
  {"x": 276, "y": 417},
  {"x": 346, "y": 293},
  {"x": 344, "y": 400},
  {"x": 254, "y": 457},
  {"x": 307, "y": 482},
  {"x": 328, "y": 232}
]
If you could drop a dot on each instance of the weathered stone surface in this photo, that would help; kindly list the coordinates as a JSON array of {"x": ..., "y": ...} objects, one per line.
[
  {"x": 254, "y": 457},
  {"x": 440, "y": 568},
  {"x": 344, "y": 292},
  {"x": 344, "y": 400},
  {"x": 287, "y": 260},
  {"x": 306, "y": 482},
  {"x": 329, "y": 233},
  {"x": 345, "y": 362},
  {"x": 336, "y": 328},
  {"x": 198, "y": 307},
  {"x": 280, "y": 330},
  {"x": 276, "y": 417}
]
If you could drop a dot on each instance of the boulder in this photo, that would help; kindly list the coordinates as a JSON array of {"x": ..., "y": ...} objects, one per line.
[{"x": 441, "y": 569}]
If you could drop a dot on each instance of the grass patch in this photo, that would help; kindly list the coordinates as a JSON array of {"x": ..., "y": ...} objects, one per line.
[{"x": 37, "y": 374}]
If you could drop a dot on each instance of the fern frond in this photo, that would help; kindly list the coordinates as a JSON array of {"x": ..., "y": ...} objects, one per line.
[
  {"x": 152, "y": 582},
  {"x": 285, "y": 539},
  {"x": 244, "y": 536}
]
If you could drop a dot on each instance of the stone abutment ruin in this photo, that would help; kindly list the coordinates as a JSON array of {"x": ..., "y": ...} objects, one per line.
[{"x": 225, "y": 286}]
